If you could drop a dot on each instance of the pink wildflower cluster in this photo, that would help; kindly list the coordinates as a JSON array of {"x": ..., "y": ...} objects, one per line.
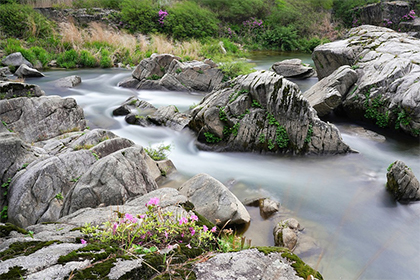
[
  {"x": 253, "y": 23},
  {"x": 162, "y": 16},
  {"x": 410, "y": 16},
  {"x": 387, "y": 22}
]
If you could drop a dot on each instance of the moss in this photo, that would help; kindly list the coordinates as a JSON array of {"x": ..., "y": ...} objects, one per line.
[
  {"x": 269, "y": 250},
  {"x": 97, "y": 271},
  {"x": 88, "y": 253},
  {"x": 15, "y": 272},
  {"x": 24, "y": 248},
  {"x": 188, "y": 206},
  {"x": 302, "y": 269},
  {"x": 8, "y": 228}
]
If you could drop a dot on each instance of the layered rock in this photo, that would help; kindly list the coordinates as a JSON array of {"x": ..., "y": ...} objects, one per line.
[
  {"x": 68, "y": 82},
  {"x": 24, "y": 71},
  {"x": 388, "y": 71},
  {"x": 293, "y": 68},
  {"x": 15, "y": 89},
  {"x": 402, "y": 182},
  {"x": 167, "y": 72},
  {"x": 263, "y": 112},
  {"x": 327, "y": 94}
]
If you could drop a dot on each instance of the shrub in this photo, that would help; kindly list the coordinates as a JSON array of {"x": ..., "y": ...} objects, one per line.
[
  {"x": 159, "y": 153},
  {"x": 233, "y": 69},
  {"x": 284, "y": 38},
  {"x": 68, "y": 59},
  {"x": 187, "y": 19},
  {"x": 41, "y": 54},
  {"x": 344, "y": 9},
  {"x": 140, "y": 15},
  {"x": 86, "y": 59},
  {"x": 105, "y": 61}
]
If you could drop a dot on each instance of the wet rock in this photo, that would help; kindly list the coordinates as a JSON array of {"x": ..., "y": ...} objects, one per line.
[
  {"x": 15, "y": 59},
  {"x": 263, "y": 112},
  {"x": 402, "y": 182},
  {"x": 142, "y": 108},
  {"x": 327, "y": 94},
  {"x": 267, "y": 206},
  {"x": 129, "y": 83},
  {"x": 4, "y": 72},
  {"x": 15, "y": 89},
  {"x": 69, "y": 82},
  {"x": 169, "y": 116},
  {"x": 214, "y": 201},
  {"x": 25, "y": 71},
  {"x": 387, "y": 67},
  {"x": 286, "y": 233},
  {"x": 293, "y": 68}
]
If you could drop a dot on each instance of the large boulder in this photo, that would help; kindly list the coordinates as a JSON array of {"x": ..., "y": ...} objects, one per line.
[
  {"x": 402, "y": 182},
  {"x": 24, "y": 71},
  {"x": 167, "y": 72},
  {"x": 68, "y": 82},
  {"x": 389, "y": 13},
  {"x": 15, "y": 89},
  {"x": 169, "y": 116},
  {"x": 214, "y": 201},
  {"x": 15, "y": 59},
  {"x": 111, "y": 181},
  {"x": 263, "y": 112},
  {"x": 327, "y": 94},
  {"x": 35, "y": 119},
  {"x": 293, "y": 68},
  {"x": 387, "y": 64}
]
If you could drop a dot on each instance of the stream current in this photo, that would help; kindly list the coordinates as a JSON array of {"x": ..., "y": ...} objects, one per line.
[{"x": 341, "y": 201}]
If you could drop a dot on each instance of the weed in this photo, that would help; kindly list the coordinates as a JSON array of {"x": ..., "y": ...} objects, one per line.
[
  {"x": 402, "y": 119},
  {"x": 262, "y": 139},
  {"x": 211, "y": 138},
  {"x": 374, "y": 108},
  {"x": 95, "y": 155},
  {"x": 154, "y": 77},
  {"x": 271, "y": 145},
  {"x": 160, "y": 152},
  {"x": 309, "y": 134},
  {"x": 256, "y": 104},
  {"x": 5, "y": 124},
  {"x": 59, "y": 196},
  {"x": 3, "y": 213},
  {"x": 235, "y": 129},
  {"x": 282, "y": 138},
  {"x": 222, "y": 114}
]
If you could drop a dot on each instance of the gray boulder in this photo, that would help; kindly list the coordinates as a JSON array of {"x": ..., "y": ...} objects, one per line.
[
  {"x": 4, "y": 72},
  {"x": 402, "y": 182},
  {"x": 15, "y": 59},
  {"x": 214, "y": 201},
  {"x": 169, "y": 116},
  {"x": 383, "y": 12},
  {"x": 68, "y": 82},
  {"x": 15, "y": 89},
  {"x": 263, "y": 112},
  {"x": 35, "y": 119},
  {"x": 327, "y": 94},
  {"x": 154, "y": 66},
  {"x": 111, "y": 181},
  {"x": 133, "y": 104},
  {"x": 386, "y": 63},
  {"x": 293, "y": 68},
  {"x": 24, "y": 71}
]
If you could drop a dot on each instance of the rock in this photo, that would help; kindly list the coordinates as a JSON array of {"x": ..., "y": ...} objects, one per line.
[
  {"x": 326, "y": 95},
  {"x": 154, "y": 66},
  {"x": 129, "y": 83},
  {"x": 15, "y": 59},
  {"x": 387, "y": 67},
  {"x": 286, "y": 233},
  {"x": 383, "y": 12},
  {"x": 247, "y": 264},
  {"x": 68, "y": 82},
  {"x": 4, "y": 72},
  {"x": 263, "y": 112},
  {"x": 214, "y": 201},
  {"x": 53, "y": 64},
  {"x": 16, "y": 89},
  {"x": 169, "y": 116},
  {"x": 142, "y": 107},
  {"x": 25, "y": 71},
  {"x": 35, "y": 119},
  {"x": 170, "y": 82},
  {"x": 268, "y": 207},
  {"x": 112, "y": 180},
  {"x": 123, "y": 110},
  {"x": 402, "y": 182},
  {"x": 293, "y": 68}
]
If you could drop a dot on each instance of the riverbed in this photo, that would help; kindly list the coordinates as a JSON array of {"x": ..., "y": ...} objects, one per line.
[{"x": 360, "y": 232}]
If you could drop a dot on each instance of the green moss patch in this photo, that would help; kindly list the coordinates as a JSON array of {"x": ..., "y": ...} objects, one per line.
[
  {"x": 15, "y": 272},
  {"x": 24, "y": 248},
  {"x": 8, "y": 228},
  {"x": 94, "y": 252}
]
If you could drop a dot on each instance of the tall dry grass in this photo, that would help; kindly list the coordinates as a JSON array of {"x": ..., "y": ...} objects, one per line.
[{"x": 46, "y": 3}]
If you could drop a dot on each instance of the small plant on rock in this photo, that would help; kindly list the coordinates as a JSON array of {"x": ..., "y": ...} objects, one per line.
[{"x": 159, "y": 153}]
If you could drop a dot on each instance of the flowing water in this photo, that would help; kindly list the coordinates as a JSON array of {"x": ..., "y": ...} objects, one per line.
[{"x": 360, "y": 232}]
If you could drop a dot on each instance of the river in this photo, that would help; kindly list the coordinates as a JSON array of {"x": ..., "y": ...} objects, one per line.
[{"x": 341, "y": 201}]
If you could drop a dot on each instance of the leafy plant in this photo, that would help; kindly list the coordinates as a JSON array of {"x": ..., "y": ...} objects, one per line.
[
  {"x": 211, "y": 138},
  {"x": 309, "y": 134},
  {"x": 160, "y": 152},
  {"x": 261, "y": 139},
  {"x": 3, "y": 213},
  {"x": 68, "y": 59},
  {"x": 282, "y": 138},
  {"x": 59, "y": 196},
  {"x": 222, "y": 114}
]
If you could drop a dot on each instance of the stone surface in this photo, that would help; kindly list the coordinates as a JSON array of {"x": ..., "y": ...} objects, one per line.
[
  {"x": 68, "y": 82},
  {"x": 15, "y": 59},
  {"x": 169, "y": 116},
  {"x": 327, "y": 94},
  {"x": 214, "y": 201},
  {"x": 286, "y": 233},
  {"x": 268, "y": 207},
  {"x": 35, "y": 119},
  {"x": 15, "y": 89},
  {"x": 263, "y": 112},
  {"x": 402, "y": 182},
  {"x": 24, "y": 71},
  {"x": 388, "y": 71},
  {"x": 293, "y": 68}
]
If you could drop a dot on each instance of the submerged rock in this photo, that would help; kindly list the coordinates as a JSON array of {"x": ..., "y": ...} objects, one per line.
[
  {"x": 402, "y": 182},
  {"x": 388, "y": 75},
  {"x": 293, "y": 68},
  {"x": 263, "y": 112}
]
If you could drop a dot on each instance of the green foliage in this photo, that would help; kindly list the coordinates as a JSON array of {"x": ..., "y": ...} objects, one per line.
[
  {"x": 344, "y": 9},
  {"x": 5, "y": 187},
  {"x": 222, "y": 114},
  {"x": 105, "y": 61},
  {"x": 160, "y": 152},
  {"x": 390, "y": 166},
  {"x": 271, "y": 144},
  {"x": 375, "y": 108},
  {"x": 402, "y": 118},
  {"x": 309, "y": 134},
  {"x": 89, "y": 4},
  {"x": 86, "y": 59},
  {"x": 140, "y": 15},
  {"x": 256, "y": 104},
  {"x": 3, "y": 213},
  {"x": 22, "y": 21},
  {"x": 302, "y": 269},
  {"x": 235, "y": 129},
  {"x": 59, "y": 196},
  {"x": 187, "y": 20},
  {"x": 261, "y": 139},
  {"x": 15, "y": 272},
  {"x": 154, "y": 77},
  {"x": 282, "y": 138},
  {"x": 211, "y": 138},
  {"x": 233, "y": 69},
  {"x": 272, "y": 120},
  {"x": 68, "y": 59},
  {"x": 41, "y": 54},
  {"x": 283, "y": 38}
]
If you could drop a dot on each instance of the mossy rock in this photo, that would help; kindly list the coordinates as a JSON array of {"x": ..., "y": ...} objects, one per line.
[
  {"x": 8, "y": 228},
  {"x": 15, "y": 272},
  {"x": 24, "y": 248}
]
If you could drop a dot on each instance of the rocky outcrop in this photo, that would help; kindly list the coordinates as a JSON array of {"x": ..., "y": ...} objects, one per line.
[
  {"x": 214, "y": 201},
  {"x": 293, "y": 68},
  {"x": 167, "y": 72},
  {"x": 327, "y": 94},
  {"x": 68, "y": 82},
  {"x": 388, "y": 13},
  {"x": 15, "y": 59},
  {"x": 402, "y": 182},
  {"x": 79, "y": 16},
  {"x": 15, "y": 89},
  {"x": 263, "y": 112},
  {"x": 25, "y": 71},
  {"x": 35, "y": 119},
  {"x": 388, "y": 71}
]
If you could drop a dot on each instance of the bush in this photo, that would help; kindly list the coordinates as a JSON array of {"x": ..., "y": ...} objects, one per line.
[
  {"x": 68, "y": 59},
  {"x": 41, "y": 54},
  {"x": 284, "y": 38},
  {"x": 86, "y": 59},
  {"x": 22, "y": 21},
  {"x": 88, "y": 4},
  {"x": 159, "y": 153},
  {"x": 235, "y": 68},
  {"x": 105, "y": 61},
  {"x": 343, "y": 9},
  {"x": 140, "y": 15},
  {"x": 188, "y": 20}
]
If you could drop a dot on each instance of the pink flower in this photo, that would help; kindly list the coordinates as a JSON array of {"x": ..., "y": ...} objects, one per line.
[
  {"x": 192, "y": 230},
  {"x": 188, "y": 246},
  {"x": 166, "y": 234},
  {"x": 205, "y": 228},
  {"x": 183, "y": 220},
  {"x": 142, "y": 216},
  {"x": 129, "y": 217},
  {"x": 194, "y": 218},
  {"x": 153, "y": 201},
  {"x": 213, "y": 229},
  {"x": 83, "y": 241},
  {"x": 114, "y": 228}
]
